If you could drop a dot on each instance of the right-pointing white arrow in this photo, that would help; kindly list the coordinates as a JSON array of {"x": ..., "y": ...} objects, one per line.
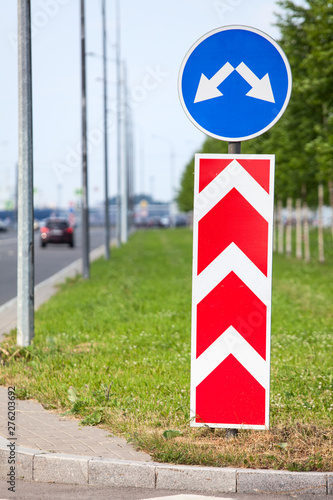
[
  {"x": 207, "y": 89},
  {"x": 261, "y": 88}
]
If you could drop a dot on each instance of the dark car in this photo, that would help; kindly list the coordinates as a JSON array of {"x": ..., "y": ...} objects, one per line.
[{"x": 56, "y": 230}]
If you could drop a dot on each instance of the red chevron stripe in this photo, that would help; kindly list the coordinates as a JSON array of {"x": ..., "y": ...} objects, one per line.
[
  {"x": 230, "y": 395},
  {"x": 231, "y": 303},
  {"x": 259, "y": 170},
  {"x": 209, "y": 169},
  {"x": 233, "y": 219}
]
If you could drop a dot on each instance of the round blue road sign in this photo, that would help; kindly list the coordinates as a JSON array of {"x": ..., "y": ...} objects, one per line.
[{"x": 235, "y": 83}]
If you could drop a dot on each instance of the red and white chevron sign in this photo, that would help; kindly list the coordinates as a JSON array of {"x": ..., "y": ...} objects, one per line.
[{"x": 231, "y": 300}]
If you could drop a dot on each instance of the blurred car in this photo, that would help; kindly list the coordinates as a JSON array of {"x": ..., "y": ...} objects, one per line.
[
  {"x": 3, "y": 226},
  {"x": 153, "y": 221},
  {"x": 164, "y": 221},
  {"x": 56, "y": 230},
  {"x": 181, "y": 221}
]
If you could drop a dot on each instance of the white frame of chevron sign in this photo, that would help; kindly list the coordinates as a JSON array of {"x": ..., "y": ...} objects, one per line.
[{"x": 231, "y": 297}]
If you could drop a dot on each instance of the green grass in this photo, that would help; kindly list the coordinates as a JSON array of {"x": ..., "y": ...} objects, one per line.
[
  {"x": 302, "y": 340},
  {"x": 115, "y": 351}
]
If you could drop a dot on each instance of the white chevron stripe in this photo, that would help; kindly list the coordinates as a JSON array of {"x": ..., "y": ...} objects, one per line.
[
  {"x": 231, "y": 259},
  {"x": 231, "y": 342},
  {"x": 233, "y": 176}
]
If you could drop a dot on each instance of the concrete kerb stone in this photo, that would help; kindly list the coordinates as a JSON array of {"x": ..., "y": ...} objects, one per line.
[
  {"x": 330, "y": 484},
  {"x": 3, "y": 460},
  {"x": 103, "y": 471},
  {"x": 25, "y": 463},
  {"x": 198, "y": 479},
  {"x": 59, "y": 468},
  {"x": 268, "y": 481},
  {"x": 24, "y": 460}
]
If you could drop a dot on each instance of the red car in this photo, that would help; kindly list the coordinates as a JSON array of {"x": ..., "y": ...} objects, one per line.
[{"x": 56, "y": 230}]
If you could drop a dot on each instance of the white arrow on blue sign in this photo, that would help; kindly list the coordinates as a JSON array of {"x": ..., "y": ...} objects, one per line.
[{"x": 235, "y": 83}]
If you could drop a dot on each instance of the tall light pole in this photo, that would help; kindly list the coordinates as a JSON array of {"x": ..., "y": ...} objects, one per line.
[
  {"x": 25, "y": 247},
  {"x": 106, "y": 187},
  {"x": 119, "y": 131},
  {"x": 85, "y": 205},
  {"x": 129, "y": 157},
  {"x": 124, "y": 160}
]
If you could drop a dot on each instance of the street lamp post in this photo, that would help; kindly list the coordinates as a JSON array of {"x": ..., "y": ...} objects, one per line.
[
  {"x": 25, "y": 247},
  {"x": 106, "y": 187},
  {"x": 119, "y": 132},
  {"x": 85, "y": 206},
  {"x": 129, "y": 158}
]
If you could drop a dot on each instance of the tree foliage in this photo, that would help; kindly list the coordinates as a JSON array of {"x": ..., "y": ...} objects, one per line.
[
  {"x": 184, "y": 197},
  {"x": 302, "y": 139}
]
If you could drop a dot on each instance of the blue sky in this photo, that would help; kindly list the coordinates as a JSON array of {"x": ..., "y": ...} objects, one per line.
[{"x": 155, "y": 37}]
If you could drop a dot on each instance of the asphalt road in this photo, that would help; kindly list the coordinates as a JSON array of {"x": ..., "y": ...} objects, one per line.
[
  {"x": 48, "y": 260},
  {"x": 27, "y": 490}
]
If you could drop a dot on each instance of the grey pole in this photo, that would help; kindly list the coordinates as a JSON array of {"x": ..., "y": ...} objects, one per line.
[
  {"x": 130, "y": 161},
  {"x": 119, "y": 132},
  {"x": 234, "y": 148},
  {"x": 123, "y": 164},
  {"x": 85, "y": 205},
  {"x": 128, "y": 152},
  {"x": 25, "y": 236},
  {"x": 106, "y": 187}
]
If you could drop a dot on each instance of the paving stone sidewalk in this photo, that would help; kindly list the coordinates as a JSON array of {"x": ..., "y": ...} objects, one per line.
[{"x": 47, "y": 431}]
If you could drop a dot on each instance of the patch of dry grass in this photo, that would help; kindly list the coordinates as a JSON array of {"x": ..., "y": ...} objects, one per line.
[{"x": 294, "y": 447}]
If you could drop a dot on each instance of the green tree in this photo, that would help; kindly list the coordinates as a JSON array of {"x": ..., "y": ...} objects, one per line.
[
  {"x": 300, "y": 28},
  {"x": 184, "y": 197},
  {"x": 320, "y": 79}
]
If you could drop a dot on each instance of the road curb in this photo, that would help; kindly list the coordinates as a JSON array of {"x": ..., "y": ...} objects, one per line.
[{"x": 40, "y": 466}]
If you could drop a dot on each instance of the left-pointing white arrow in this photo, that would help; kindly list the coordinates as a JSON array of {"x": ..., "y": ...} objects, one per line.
[
  {"x": 261, "y": 89},
  {"x": 207, "y": 89}
]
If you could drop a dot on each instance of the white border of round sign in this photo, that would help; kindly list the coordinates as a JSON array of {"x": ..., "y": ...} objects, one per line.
[{"x": 226, "y": 28}]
